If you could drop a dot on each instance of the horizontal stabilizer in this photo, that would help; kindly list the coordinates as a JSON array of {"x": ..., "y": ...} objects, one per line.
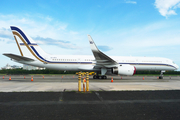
[{"x": 17, "y": 57}]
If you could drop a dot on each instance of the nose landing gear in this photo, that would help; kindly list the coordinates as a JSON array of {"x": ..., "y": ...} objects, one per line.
[{"x": 161, "y": 75}]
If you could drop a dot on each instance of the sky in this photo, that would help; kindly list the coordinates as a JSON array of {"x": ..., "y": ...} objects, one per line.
[{"x": 148, "y": 28}]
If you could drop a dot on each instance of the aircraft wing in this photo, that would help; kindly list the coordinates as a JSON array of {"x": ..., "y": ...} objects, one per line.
[
  {"x": 17, "y": 57},
  {"x": 102, "y": 60}
]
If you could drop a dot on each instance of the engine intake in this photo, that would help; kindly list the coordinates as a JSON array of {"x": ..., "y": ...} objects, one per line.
[{"x": 124, "y": 70}]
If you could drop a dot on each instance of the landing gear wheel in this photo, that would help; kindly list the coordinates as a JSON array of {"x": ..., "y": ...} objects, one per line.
[
  {"x": 99, "y": 77},
  {"x": 94, "y": 77},
  {"x": 103, "y": 77}
]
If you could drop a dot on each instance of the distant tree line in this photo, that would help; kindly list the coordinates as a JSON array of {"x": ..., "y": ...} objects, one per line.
[
  {"x": 47, "y": 71},
  {"x": 22, "y": 71}
]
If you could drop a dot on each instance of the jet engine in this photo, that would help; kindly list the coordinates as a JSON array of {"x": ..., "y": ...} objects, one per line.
[{"x": 124, "y": 70}]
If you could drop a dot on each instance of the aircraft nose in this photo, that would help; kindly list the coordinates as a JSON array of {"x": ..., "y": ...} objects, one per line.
[{"x": 177, "y": 67}]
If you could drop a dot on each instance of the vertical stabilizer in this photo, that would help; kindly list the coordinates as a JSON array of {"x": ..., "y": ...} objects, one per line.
[{"x": 27, "y": 46}]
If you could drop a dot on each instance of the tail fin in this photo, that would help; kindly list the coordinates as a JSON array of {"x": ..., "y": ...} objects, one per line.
[{"x": 27, "y": 46}]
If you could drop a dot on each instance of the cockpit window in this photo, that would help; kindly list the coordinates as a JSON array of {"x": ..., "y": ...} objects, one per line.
[{"x": 173, "y": 62}]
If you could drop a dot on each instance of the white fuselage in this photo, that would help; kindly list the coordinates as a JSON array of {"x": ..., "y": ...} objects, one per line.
[{"x": 87, "y": 63}]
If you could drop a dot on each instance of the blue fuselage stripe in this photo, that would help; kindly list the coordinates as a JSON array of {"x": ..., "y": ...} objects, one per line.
[{"x": 148, "y": 64}]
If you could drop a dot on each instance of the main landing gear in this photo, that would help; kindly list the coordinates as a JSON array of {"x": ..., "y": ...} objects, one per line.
[
  {"x": 99, "y": 77},
  {"x": 103, "y": 76},
  {"x": 161, "y": 75}
]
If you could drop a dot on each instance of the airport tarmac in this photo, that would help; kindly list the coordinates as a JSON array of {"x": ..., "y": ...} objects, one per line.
[
  {"x": 70, "y": 83},
  {"x": 95, "y": 105},
  {"x": 56, "y": 97}
]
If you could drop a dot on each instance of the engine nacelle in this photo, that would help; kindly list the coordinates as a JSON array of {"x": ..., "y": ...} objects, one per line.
[{"x": 124, "y": 70}]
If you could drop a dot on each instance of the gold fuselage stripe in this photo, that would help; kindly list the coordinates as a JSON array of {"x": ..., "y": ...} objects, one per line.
[
  {"x": 18, "y": 46},
  {"x": 15, "y": 33}
]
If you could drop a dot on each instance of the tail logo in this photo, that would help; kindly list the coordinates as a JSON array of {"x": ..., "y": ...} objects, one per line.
[{"x": 16, "y": 31}]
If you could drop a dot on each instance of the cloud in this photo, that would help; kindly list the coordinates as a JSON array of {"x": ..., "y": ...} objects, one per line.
[
  {"x": 5, "y": 33},
  {"x": 130, "y": 2},
  {"x": 44, "y": 29},
  {"x": 59, "y": 43},
  {"x": 49, "y": 40},
  {"x": 152, "y": 39},
  {"x": 167, "y": 7},
  {"x": 104, "y": 48},
  {"x": 158, "y": 34}
]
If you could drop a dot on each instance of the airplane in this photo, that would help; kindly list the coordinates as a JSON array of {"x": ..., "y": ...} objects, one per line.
[{"x": 32, "y": 54}]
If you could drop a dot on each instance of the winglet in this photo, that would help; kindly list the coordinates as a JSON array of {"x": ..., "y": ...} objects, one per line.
[
  {"x": 99, "y": 56},
  {"x": 92, "y": 44}
]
